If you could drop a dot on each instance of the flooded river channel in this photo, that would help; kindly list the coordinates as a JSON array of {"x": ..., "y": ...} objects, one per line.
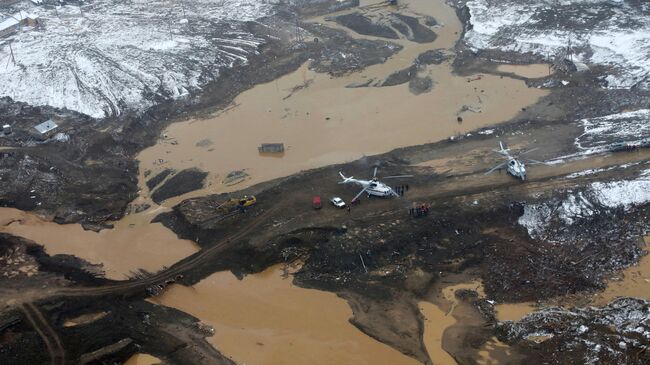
[
  {"x": 265, "y": 319},
  {"x": 326, "y": 122}
]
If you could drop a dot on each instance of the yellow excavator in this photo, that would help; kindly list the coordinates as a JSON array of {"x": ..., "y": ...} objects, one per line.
[
  {"x": 232, "y": 207},
  {"x": 247, "y": 201}
]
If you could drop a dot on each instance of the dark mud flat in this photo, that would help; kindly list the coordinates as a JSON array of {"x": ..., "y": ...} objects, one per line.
[
  {"x": 412, "y": 29},
  {"x": 159, "y": 178},
  {"x": 417, "y": 84},
  {"x": 433, "y": 57},
  {"x": 408, "y": 26},
  {"x": 179, "y": 184},
  {"x": 363, "y": 25},
  {"x": 343, "y": 55},
  {"x": 401, "y": 76},
  {"x": 420, "y": 85}
]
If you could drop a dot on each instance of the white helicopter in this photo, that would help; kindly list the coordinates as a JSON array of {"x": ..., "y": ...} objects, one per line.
[
  {"x": 514, "y": 164},
  {"x": 372, "y": 186}
]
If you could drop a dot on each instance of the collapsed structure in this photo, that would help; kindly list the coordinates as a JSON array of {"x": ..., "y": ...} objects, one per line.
[{"x": 13, "y": 23}]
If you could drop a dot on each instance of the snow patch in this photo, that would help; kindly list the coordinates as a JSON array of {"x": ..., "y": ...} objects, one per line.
[
  {"x": 620, "y": 127},
  {"x": 112, "y": 55},
  {"x": 597, "y": 197},
  {"x": 613, "y": 35}
]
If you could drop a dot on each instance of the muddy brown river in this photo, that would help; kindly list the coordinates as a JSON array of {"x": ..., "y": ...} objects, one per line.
[
  {"x": 326, "y": 122},
  {"x": 133, "y": 244},
  {"x": 265, "y": 319}
]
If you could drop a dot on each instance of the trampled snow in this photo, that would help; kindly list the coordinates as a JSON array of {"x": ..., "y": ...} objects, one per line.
[
  {"x": 621, "y": 127},
  {"x": 603, "y": 32},
  {"x": 598, "y": 196},
  {"x": 110, "y": 55}
]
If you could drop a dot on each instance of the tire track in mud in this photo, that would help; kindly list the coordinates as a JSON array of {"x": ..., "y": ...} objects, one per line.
[{"x": 47, "y": 333}]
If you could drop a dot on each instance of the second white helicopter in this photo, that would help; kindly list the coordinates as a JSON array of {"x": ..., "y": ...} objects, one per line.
[{"x": 514, "y": 164}]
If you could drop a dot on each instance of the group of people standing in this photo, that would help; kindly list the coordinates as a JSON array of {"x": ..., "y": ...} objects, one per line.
[
  {"x": 419, "y": 210},
  {"x": 400, "y": 190}
]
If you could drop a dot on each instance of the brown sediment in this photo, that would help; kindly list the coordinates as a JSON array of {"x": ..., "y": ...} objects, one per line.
[
  {"x": 495, "y": 352},
  {"x": 436, "y": 321},
  {"x": 265, "y": 319},
  {"x": 327, "y": 122},
  {"x": 632, "y": 282},
  {"x": 528, "y": 71},
  {"x": 440, "y": 316},
  {"x": 449, "y": 292},
  {"x": 84, "y": 318},
  {"x": 513, "y": 311},
  {"x": 132, "y": 245},
  {"x": 142, "y": 359}
]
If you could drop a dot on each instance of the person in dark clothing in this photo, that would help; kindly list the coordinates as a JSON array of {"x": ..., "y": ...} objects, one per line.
[{"x": 407, "y": 187}]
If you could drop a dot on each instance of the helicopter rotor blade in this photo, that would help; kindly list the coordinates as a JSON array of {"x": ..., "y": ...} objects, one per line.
[
  {"x": 358, "y": 195},
  {"x": 396, "y": 176},
  {"x": 503, "y": 145},
  {"x": 529, "y": 151},
  {"x": 536, "y": 162},
  {"x": 374, "y": 173},
  {"x": 496, "y": 167}
]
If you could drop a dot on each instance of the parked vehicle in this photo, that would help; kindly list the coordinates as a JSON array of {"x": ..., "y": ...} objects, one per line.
[
  {"x": 338, "y": 202},
  {"x": 247, "y": 201},
  {"x": 316, "y": 202}
]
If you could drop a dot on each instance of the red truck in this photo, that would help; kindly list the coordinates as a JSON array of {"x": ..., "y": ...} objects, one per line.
[{"x": 316, "y": 202}]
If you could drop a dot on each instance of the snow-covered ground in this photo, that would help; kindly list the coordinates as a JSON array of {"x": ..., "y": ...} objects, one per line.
[
  {"x": 597, "y": 197},
  {"x": 613, "y": 334},
  {"x": 600, "y": 132},
  {"x": 110, "y": 55},
  {"x": 603, "y": 32}
]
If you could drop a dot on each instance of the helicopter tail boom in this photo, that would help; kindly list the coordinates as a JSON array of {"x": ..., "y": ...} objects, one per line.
[{"x": 345, "y": 179}]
